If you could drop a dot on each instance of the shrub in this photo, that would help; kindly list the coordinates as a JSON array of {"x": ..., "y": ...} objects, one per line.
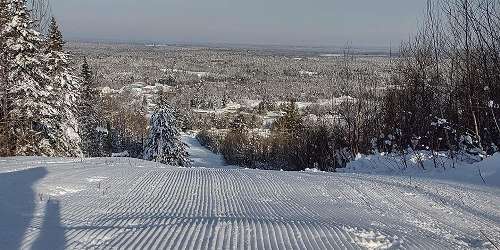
[{"x": 211, "y": 139}]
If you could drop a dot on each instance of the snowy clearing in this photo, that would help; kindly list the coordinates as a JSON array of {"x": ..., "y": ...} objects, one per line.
[{"x": 125, "y": 203}]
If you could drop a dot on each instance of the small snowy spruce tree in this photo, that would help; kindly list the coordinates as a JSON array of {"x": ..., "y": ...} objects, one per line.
[{"x": 164, "y": 143}]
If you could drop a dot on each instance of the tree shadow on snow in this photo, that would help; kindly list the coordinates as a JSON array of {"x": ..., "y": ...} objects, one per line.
[
  {"x": 17, "y": 205},
  {"x": 51, "y": 233}
]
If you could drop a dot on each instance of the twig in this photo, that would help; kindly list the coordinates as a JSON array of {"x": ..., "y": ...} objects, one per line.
[
  {"x": 479, "y": 170},
  {"x": 492, "y": 243}
]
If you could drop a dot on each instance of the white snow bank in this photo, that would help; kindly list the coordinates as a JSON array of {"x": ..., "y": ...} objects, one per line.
[
  {"x": 490, "y": 169},
  {"x": 422, "y": 164},
  {"x": 60, "y": 190},
  {"x": 121, "y": 154}
]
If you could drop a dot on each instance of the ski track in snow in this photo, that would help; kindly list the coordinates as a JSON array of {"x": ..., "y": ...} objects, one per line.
[{"x": 111, "y": 203}]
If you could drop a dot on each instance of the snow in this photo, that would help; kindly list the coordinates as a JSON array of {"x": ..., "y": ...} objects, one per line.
[
  {"x": 138, "y": 91},
  {"x": 101, "y": 129},
  {"x": 108, "y": 203},
  {"x": 459, "y": 170},
  {"x": 121, "y": 154},
  {"x": 202, "y": 157},
  {"x": 127, "y": 203},
  {"x": 58, "y": 191},
  {"x": 251, "y": 103},
  {"x": 323, "y": 102},
  {"x": 332, "y": 55},
  {"x": 96, "y": 178},
  {"x": 490, "y": 169},
  {"x": 231, "y": 107},
  {"x": 199, "y": 74},
  {"x": 307, "y": 73}
]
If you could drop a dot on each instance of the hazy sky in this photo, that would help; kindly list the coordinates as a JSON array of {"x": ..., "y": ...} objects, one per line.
[{"x": 286, "y": 22}]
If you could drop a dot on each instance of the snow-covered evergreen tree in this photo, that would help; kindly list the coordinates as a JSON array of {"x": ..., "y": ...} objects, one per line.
[
  {"x": 91, "y": 138},
  {"x": 38, "y": 89},
  {"x": 66, "y": 87},
  {"x": 29, "y": 101},
  {"x": 5, "y": 15},
  {"x": 55, "y": 40},
  {"x": 164, "y": 143}
]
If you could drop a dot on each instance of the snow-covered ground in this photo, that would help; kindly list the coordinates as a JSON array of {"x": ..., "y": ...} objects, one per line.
[
  {"x": 108, "y": 203},
  {"x": 423, "y": 165},
  {"x": 200, "y": 156}
]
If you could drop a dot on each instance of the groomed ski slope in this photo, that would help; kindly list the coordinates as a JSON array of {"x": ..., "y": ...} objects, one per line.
[{"x": 122, "y": 203}]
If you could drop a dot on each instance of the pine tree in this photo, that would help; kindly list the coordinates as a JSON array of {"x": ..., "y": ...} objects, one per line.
[
  {"x": 4, "y": 18},
  {"x": 5, "y": 14},
  {"x": 86, "y": 74},
  {"x": 66, "y": 87},
  {"x": 88, "y": 114},
  {"x": 164, "y": 143},
  {"x": 29, "y": 103},
  {"x": 291, "y": 122},
  {"x": 162, "y": 99},
  {"x": 238, "y": 123},
  {"x": 55, "y": 41},
  {"x": 236, "y": 142},
  {"x": 287, "y": 131}
]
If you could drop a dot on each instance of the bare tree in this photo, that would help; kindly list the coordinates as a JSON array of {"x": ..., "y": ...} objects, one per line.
[
  {"x": 41, "y": 12},
  {"x": 449, "y": 75}
]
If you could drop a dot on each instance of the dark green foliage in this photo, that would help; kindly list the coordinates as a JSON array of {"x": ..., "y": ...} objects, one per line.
[
  {"x": 55, "y": 41},
  {"x": 236, "y": 147},
  {"x": 89, "y": 118},
  {"x": 238, "y": 123}
]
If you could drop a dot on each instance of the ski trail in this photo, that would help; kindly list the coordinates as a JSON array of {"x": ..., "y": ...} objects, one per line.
[
  {"x": 133, "y": 204},
  {"x": 201, "y": 157}
]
